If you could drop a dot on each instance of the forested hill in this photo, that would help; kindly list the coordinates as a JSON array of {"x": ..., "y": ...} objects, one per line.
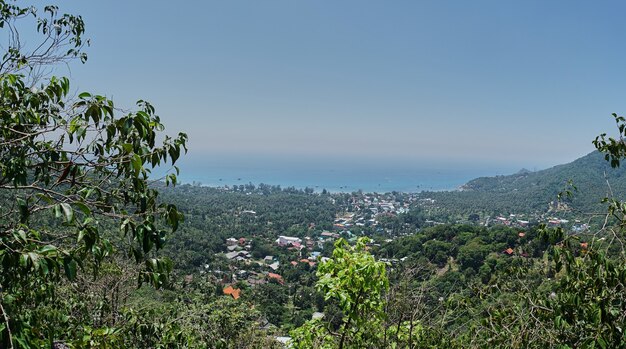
[{"x": 533, "y": 191}]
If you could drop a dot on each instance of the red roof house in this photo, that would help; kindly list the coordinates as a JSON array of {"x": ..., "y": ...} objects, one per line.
[{"x": 234, "y": 292}]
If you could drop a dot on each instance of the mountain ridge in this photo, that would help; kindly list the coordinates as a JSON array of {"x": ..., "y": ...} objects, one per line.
[{"x": 591, "y": 177}]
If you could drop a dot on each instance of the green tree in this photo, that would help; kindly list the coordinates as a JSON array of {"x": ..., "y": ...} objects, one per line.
[
  {"x": 70, "y": 170},
  {"x": 473, "y": 254},
  {"x": 357, "y": 282},
  {"x": 589, "y": 306}
]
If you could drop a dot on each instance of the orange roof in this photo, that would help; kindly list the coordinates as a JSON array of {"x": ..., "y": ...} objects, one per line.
[
  {"x": 276, "y": 277},
  {"x": 234, "y": 292},
  {"x": 584, "y": 245},
  {"x": 509, "y": 251},
  {"x": 294, "y": 263},
  {"x": 304, "y": 260},
  {"x": 521, "y": 234}
]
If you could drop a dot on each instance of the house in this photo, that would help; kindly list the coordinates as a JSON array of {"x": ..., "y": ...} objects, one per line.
[
  {"x": 232, "y": 255},
  {"x": 268, "y": 259},
  {"x": 239, "y": 255},
  {"x": 288, "y": 240},
  {"x": 508, "y": 251},
  {"x": 234, "y": 292},
  {"x": 276, "y": 277},
  {"x": 256, "y": 279},
  {"x": 554, "y": 222},
  {"x": 329, "y": 234},
  {"x": 231, "y": 241},
  {"x": 304, "y": 260},
  {"x": 274, "y": 266},
  {"x": 309, "y": 243}
]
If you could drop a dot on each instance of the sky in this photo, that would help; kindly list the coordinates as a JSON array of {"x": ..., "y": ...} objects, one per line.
[{"x": 500, "y": 83}]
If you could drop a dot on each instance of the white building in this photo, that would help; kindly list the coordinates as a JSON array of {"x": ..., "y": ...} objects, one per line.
[{"x": 287, "y": 240}]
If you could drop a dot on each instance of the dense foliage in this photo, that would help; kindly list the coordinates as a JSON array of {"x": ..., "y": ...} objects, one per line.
[
  {"x": 530, "y": 192},
  {"x": 69, "y": 169}
]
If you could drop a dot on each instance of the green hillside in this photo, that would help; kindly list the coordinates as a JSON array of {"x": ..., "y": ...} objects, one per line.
[{"x": 534, "y": 191}]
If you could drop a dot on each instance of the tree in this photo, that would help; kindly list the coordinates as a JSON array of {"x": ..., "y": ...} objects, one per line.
[
  {"x": 473, "y": 254},
  {"x": 474, "y": 217},
  {"x": 585, "y": 306},
  {"x": 357, "y": 282},
  {"x": 71, "y": 169}
]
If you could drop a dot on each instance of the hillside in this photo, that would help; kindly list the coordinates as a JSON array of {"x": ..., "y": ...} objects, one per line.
[{"x": 528, "y": 191}]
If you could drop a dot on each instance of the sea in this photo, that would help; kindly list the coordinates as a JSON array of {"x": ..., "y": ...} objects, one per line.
[{"x": 335, "y": 174}]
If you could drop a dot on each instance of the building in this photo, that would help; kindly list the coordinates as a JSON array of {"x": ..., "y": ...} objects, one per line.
[
  {"x": 234, "y": 292},
  {"x": 276, "y": 277},
  {"x": 329, "y": 234},
  {"x": 288, "y": 241},
  {"x": 274, "y": 266}
]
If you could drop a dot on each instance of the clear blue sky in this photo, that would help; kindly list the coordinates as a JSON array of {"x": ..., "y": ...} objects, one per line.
[{"x": 525, "y": 83}]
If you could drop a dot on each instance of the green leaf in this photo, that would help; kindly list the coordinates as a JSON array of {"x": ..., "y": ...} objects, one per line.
[
  {"x": 21, "y": 234},
  {"x": 23, "y": 260},
  {"x": 68, "y": 212},
  {"x": 69, "y": 265},
  {"x": 45, "y": 198},
  {"x": 136, "y": 162},
  {"x": 83, "y": 208},
  {"x": 34, "y": 258},
  {"x": 48, "y": 249},
  {"x": 22, "y": 343}
]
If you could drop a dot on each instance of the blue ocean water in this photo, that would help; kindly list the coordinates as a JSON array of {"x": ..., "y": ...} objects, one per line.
[{"x": 335, "y": 175}]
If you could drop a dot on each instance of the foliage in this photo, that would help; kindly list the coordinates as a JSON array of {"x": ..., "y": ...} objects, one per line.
[
  {"x": 70, "y": 168},
  {"x": 536, "y": 192},
  {"x": 357, "y": 281},
  {"x": 589, "y": 307}
]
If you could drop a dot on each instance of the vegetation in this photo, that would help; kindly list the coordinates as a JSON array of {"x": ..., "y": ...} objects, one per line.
[
  {"x": 357, "y": 282},
  {"x": 536, "y": 192},
  {"x": 70, "y": 168},
  {"x": 84, "y": 261}
]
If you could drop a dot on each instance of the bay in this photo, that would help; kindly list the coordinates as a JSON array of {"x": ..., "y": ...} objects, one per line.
[{"x": 335, "y": 174}]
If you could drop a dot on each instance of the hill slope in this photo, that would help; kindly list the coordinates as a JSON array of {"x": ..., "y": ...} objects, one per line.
[{"x": 533, "y": 191}]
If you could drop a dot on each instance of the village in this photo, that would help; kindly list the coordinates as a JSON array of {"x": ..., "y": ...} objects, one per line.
[
  {"x": 245, "y": 267},
  {"x": 359, "y": 214}
]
